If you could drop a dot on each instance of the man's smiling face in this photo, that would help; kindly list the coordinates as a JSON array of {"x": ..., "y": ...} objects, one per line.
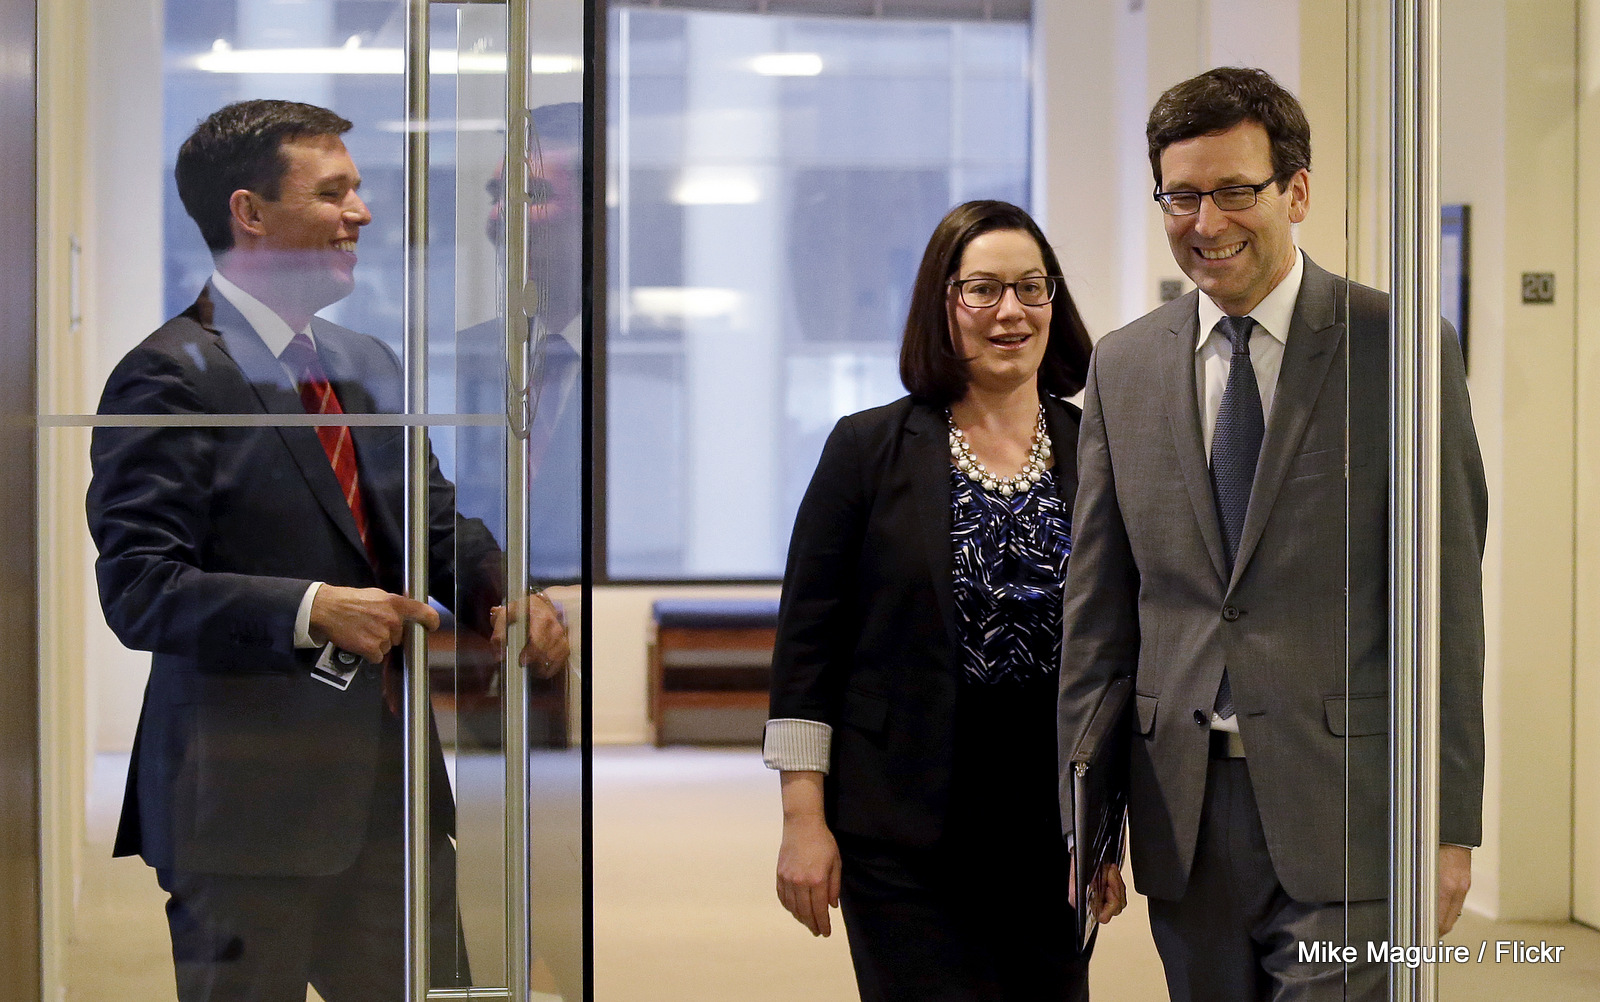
[
  {"x": 312, "y": 227},
  {"x": 1237, "y": 257}
]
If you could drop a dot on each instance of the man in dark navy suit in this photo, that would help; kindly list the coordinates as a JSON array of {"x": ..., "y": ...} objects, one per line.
[{"x": 264, "y": 789}]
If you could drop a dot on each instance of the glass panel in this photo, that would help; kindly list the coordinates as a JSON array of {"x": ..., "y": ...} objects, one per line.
[
  {"x": 553, "y": 449},
  {"x": 1247, "y": 602},
  {"x": 216, "y": 501},
  {"x": 1518, "y": 166},
  {"x": 467, "y": 149},
  {"x": 750, "y": 308}
]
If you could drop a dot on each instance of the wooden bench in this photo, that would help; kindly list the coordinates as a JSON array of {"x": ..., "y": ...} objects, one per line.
[{"x": 711, "y": 655}]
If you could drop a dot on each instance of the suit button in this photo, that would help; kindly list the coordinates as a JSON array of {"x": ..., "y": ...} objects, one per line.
[
  {"x": 1231, "y": 613},
  {"x": 1201, "y": 718}
]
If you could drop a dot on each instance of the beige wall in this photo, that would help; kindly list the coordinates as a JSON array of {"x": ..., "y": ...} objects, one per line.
[
  {"x": 1586, "y": 680},
  {"x": 1508, "y": 145}
]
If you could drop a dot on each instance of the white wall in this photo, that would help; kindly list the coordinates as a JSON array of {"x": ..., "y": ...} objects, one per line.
[
  {"x": 122, "y": 283},
  {"x": 1099, "y": 68}
]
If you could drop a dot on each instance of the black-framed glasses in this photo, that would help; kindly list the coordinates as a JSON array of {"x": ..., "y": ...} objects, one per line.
[
  {"x": 1230, "y": 198},
  {"x": 982, "y": 293}
]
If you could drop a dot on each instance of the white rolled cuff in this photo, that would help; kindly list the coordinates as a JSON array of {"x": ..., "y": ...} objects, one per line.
[
  {"x": 302, "y": 618},
  {"x": 796, "y": 745}
]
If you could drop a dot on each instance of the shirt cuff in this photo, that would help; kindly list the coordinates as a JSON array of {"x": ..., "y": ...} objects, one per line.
[
  {"x": 302, "y": 619},
  {"x": 795, "y": 745}
]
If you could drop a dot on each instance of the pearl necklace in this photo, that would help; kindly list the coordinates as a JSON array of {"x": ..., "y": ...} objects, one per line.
[{"x": 1032, "y": 470}]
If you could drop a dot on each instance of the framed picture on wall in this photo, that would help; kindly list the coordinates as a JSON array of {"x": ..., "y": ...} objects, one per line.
[{"x": 1454, "y": 271}]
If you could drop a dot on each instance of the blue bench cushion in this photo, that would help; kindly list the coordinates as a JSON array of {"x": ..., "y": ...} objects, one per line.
[{"x": 716, "y": 613}]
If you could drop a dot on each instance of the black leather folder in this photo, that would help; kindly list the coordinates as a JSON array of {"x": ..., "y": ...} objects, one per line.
[{"x": 1099, "y": 766}]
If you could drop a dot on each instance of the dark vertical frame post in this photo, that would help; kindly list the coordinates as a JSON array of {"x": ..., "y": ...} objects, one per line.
[
  {"x": 596, "y": 270},
  {"x": 19, "y": 637}
]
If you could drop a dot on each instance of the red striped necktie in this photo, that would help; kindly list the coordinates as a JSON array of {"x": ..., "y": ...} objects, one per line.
[{"x": 317, "y": 396}]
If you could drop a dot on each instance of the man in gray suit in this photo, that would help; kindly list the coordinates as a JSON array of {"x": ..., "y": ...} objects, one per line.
[{"x": 1230, "y": 556}]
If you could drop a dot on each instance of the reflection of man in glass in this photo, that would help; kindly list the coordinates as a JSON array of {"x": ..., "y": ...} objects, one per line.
[
  {"x": 266, "y": 788},
  {"x": 1231, "y": 557},
  {"x": 555, "y": 267}
]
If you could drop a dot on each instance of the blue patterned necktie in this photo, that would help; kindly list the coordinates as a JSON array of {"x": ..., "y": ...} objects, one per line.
[{"x": 1235, "y": 448}]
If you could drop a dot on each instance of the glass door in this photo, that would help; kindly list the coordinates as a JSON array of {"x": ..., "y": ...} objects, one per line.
[{"x": 277, "y": 673}]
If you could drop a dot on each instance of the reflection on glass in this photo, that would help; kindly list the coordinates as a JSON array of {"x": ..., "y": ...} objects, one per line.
[
  {"x": 775, "y": 178},
  {"x": 552, "y": 419},
  {"x": 1251, "y": 606},
  {"x": 259, "y": 560},
  {"x": 228, "y": 481}
]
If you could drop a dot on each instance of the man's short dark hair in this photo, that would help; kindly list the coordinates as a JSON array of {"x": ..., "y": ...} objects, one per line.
[
  {"x": 241, "y": 146},
  {"x": 931, "y": 368},
  {"x": 1216, "y": 101}
]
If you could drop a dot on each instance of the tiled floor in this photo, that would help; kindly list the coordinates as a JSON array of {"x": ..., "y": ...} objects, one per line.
[{"x": 685, "y": 840}]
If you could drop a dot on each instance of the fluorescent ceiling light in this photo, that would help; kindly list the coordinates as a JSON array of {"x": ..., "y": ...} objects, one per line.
[
  {"x": 446, "y": 125},
  {"x": 787, "y": 64},
  {"x": 352, "y": 58},
  {"x": 671, "y": 302},
  {"x": 554, "y": 64},
  {"x": 716, "y": 186}
]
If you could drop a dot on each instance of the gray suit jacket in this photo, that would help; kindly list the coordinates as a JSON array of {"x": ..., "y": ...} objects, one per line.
[{"x": 1301, "y": 623}]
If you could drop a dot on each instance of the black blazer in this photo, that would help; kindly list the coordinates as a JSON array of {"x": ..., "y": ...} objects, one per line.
[
  {"x": 867, "y": 636},
  {"x": 209, "y": 536}
]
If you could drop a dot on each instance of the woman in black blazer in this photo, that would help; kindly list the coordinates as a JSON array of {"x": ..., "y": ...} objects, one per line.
[{"x": 914, "y": 680}]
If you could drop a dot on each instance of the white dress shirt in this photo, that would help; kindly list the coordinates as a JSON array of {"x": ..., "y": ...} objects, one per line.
[
  {"x": 1213, "y": 355},
  {"x": 276, "y": 334},
  {"x": 1213, "y": 352}
]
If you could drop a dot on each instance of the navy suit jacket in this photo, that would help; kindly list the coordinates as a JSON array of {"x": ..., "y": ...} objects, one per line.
[{"x": 209, "y": 534}]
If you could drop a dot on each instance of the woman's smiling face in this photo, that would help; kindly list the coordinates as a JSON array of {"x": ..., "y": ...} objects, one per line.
[{"x": 1004, "y": 343}]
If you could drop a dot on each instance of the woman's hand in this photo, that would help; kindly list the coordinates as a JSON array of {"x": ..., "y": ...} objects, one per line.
[
  {"x": 808, "y": 859},
  {"x": 1108, "y": 896}
]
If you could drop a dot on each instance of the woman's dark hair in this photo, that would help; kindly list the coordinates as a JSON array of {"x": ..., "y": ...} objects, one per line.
[
  {"x": 241, "y": 146},
  {"x": 1216, "y": 101},
  {"x": 930, "y": 367}
]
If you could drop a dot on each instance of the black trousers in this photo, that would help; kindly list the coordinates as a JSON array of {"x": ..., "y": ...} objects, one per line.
[
  {"x": 961, "y": 922},
  {"x": 264, "y": 938}
]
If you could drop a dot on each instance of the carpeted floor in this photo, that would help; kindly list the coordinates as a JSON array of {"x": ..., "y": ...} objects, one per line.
[
  {"x": 685, "y": 840},
  {"x": 685, "y": 844}
]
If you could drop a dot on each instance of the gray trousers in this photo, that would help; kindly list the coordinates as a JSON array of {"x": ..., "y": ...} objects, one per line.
[{"x": 1235, "y": 935}]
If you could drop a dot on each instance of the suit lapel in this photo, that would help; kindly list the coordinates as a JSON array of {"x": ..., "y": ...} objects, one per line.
[
  {"x": 928, "y": 459},
  {"x": 277, "y": 394},
  {"x": 1183, "y": 414},
  {"x": 1063, "y": 433},
  {"x": 1314, "y": 338}
]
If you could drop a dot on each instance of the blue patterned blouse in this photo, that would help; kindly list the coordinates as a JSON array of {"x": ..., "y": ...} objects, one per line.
[{"x": 1010, "y": 566}]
